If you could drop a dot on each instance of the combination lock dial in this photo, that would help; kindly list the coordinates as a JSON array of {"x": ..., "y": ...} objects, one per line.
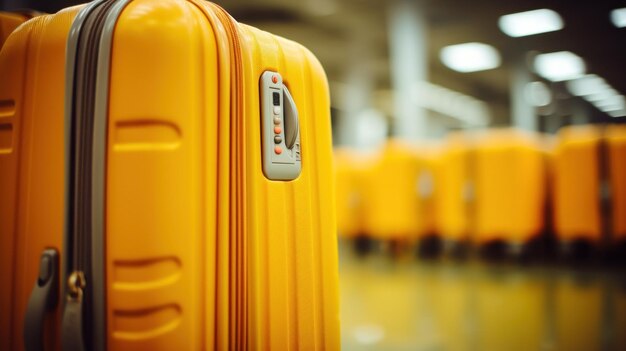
[{"x": 280, "y": 129}]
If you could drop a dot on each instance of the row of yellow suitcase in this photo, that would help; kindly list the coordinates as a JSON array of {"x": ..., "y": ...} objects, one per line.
[
  {"x": 500, "y": 184},
  {"x": 166, "y": 184}
]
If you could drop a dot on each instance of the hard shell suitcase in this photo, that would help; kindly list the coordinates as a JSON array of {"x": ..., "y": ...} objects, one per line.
[
  {"x": 167, "y": 183},
  {"x": 454, "y": 194},
  {"x": 351, "y": 167},
  {"x": 615, "y": 140},
  {"x": 576, "y": 185},
  {"x": 510, "y": 187},
  {"x": 398, "y": 194}
]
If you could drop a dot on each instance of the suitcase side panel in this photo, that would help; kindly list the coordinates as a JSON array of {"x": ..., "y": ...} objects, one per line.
[
  {"x": 391, "y": 209},
  {"x": 576, "y": 184},
  {"x": 8, "y": 23},
  {"x": 616, "y": 141},
  {"x": 452, "y": 180},
  {"x": 39, "y": 205},
  {"x": 12, "y": 74},
  {"x": 292, "y": 252},
  {"x": 351, "y": 167},
  {"x": 510, "y": 189},
  {"x": 162, "y": 183}
]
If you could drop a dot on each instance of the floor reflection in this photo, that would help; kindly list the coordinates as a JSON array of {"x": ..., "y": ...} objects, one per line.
[{"x": 406, "y": 304}]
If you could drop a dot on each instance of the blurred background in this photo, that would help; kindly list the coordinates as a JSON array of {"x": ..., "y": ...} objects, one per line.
[{"x": 480, "y": 163}]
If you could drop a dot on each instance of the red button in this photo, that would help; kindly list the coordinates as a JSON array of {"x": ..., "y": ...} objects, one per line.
[
  {"x": 278, "y": 150},
  {"x": 277, "y": 130},
  {"x": 274, "y": 79}
]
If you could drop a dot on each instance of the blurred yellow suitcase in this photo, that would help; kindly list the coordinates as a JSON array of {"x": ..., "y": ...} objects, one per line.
[
  {"x": 351, "y": 167},
  {"x": 615, "y": 139},
  {"x": 196, "y": 206},
  {"x": 396, "y": 197},
  {"x": 510, "y": 181},
  {"x": 454, "y": 194},
  {"x": 576, "y": 184}
]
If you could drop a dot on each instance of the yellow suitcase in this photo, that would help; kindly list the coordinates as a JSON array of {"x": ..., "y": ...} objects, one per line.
[
  {"x": 398, "y": 192},
  {"x": 184, "y": 199},
  {"x": 351, "y": 167},
  {"x": 454, "y": 194},
  {"x": 576, "y": 185},
  {"x": 615, "y": 140},
  {"x": 510, "y": 187}
]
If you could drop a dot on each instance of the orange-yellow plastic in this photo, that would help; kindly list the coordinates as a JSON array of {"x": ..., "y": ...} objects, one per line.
[
  {"x": 31, "y": 160},
  {"x": 576, "y": 184},
  {"x": 351, "y": 167},
  {"x": 292, "y": 290},
  {"x": 510, "y": 186},
  {"x": 454, "y": 184},
  {"x": 8, "y": 22},
  {"x": 399, "y": 192},
  {"x": 615, "y": 136},
  {"x": 202, "y": 251}
]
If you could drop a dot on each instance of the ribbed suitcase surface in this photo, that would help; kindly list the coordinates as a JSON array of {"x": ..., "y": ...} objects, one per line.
[{"x": 198, "y": 248}]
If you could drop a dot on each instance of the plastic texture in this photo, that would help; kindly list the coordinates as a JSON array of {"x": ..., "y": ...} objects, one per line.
[
  {"x": 203, "y": 251},
  {"x": 510, "y": 186},
  {"x": 576, "y": 179}
]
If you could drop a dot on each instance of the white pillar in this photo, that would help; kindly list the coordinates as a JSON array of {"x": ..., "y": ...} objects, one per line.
[
  {"x": 357, "y": 93},
  {"x": 409, "y": 65},
  {"x": 523, "y": 114}
]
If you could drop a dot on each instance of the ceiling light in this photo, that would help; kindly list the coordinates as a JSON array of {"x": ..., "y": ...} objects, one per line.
[
  {"x": 558, "y": 66},
  {"x": 470, "y": 57},
  {"x": 587, "y": 85},
  {"x": 599, "y": 93},
  {"x": 618, "y": 17},
  {"x": 532, "y": 22}
]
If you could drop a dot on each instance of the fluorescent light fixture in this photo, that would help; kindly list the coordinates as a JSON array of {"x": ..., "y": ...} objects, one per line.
[
  {"x": 559, "y": 66},
  {"x": 599, "y": 93},
  {"x": 620, "y": 113},
  {"x": 587, "y": 85},
  {"x": 470, "y": 57},
  {"x": 532, "y": 22},
  {"x": 618, "y": 17}
]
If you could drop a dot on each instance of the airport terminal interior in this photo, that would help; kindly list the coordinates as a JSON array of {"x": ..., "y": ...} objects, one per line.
[{"x": 479, "y": 167}]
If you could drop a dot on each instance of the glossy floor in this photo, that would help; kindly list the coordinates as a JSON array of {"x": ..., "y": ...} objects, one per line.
[{"x": 408, "y": 304}]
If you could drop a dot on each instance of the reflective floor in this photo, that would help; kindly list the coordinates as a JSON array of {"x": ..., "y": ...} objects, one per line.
[{"x": 410, "y": 304}]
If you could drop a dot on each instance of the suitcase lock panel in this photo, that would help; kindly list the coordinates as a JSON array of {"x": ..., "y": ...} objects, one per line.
[{"x": 280, "y": 130}]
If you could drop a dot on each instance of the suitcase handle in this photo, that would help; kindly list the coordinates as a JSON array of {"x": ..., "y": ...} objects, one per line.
[
  {"x": 290, "y": 112},
  {"x": 43, "y": 299}
]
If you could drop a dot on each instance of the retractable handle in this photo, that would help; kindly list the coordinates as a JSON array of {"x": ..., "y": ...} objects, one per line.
[{"x": 43, "y": 299}]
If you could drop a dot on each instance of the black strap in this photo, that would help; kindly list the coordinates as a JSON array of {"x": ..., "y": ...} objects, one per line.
[
  {"x": 43, "y": 299},
  {"x": 72, "y": 326}
]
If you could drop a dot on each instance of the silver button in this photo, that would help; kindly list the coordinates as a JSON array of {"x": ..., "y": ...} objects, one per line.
[
  {"x": 277, "y": 120},
  {"x": 276, "y": 110},
  {"x": 278, "y": 139}
]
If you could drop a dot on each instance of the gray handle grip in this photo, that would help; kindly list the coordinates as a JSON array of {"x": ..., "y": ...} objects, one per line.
[
  {"x": 43, "y": 299},
  {"x": 291, "y": 118}
]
